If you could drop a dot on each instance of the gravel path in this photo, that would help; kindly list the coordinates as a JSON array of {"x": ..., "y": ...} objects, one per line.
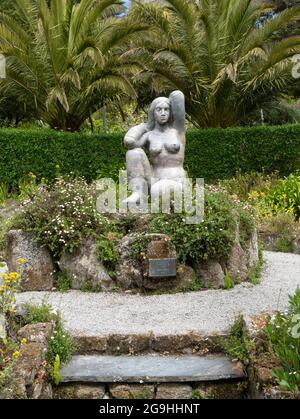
[{"x": 100, "y": 314}]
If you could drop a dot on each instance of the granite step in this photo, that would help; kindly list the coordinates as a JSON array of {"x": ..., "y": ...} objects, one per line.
[
  {"x": 142, "y": 344},
  {"x": 151, "y": 369}
]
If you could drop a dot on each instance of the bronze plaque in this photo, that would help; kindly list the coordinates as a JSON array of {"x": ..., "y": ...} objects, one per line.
[{"x": 162, "y": 268}]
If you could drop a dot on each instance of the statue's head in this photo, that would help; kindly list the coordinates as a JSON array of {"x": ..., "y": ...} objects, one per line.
[{"x": 160, "y": 111}]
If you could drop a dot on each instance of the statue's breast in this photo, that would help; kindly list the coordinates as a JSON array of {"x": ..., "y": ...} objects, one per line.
[
  {"x": 164, "y": 141},
  {"x": 171, "y": 142},
  {"x": 172, "y": 147},
  {"x": 156, "y": 143}
]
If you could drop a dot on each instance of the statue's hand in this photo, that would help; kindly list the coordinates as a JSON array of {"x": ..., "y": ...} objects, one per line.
[{"x": 177, "y": 93}]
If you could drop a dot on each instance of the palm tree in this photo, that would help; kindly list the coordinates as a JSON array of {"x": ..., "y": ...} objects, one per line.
[
  {"x": 67, "y": 59},
  {"x": 217, "y": 54}
]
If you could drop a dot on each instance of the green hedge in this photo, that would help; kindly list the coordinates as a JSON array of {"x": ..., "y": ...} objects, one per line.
[
  {"x": 212, "y": 154},
  {"x": 220, "y": 153},
  {"x": 47, "y": 153}
]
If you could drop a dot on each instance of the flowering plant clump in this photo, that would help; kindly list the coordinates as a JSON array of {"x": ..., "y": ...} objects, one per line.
[
  {"x": 62, "y": 215},
  {"x": 7, "y": 292},
  {"x": 214, "y": 237},
  {"x": 282, "y": 332},
  {"x": 286, "y": 196},
  {"x": 29, "y": 186}
]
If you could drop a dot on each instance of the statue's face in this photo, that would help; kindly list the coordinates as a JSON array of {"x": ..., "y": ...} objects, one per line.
[{"x": 162, "y": 113}]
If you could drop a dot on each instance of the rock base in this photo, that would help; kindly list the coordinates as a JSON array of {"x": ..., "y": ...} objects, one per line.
[
  {"x": 28, "y": 377},
  {"x": 33, "y": 262},
  {"x": 188, "y": 391},
  {"x": 84, "y": 268}
]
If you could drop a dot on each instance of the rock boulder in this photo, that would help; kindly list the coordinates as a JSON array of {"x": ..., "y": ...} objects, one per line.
[
  {"x": 85, "y": 269},
  {"x": 36, "y": 268}
]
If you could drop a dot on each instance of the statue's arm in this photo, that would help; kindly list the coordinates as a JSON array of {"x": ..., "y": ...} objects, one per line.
[
  {"x": 178, "y": 109},
  {"x": 135, "y": 136}
]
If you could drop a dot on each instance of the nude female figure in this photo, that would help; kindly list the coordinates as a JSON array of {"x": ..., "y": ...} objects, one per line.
[{"x": 163, "y": 138}]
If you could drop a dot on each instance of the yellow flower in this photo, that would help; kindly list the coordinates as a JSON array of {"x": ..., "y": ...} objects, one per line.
[
  {"x": 21, "y": 261},
  {"x": 14, "y": 276},
  {"x": 16, "y": 354},
  {"x": 23, "y": 341}
]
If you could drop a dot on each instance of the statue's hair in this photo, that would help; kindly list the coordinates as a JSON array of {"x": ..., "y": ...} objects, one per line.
[{"x": 151, "y": 118}]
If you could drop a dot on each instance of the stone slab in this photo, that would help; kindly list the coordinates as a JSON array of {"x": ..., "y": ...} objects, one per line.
[{"x": 150, "y": 368}]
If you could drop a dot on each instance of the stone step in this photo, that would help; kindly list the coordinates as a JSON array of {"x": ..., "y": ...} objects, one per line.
[
  {"x": 150, "y": 369},
  {"x": 134, "y": 344}
]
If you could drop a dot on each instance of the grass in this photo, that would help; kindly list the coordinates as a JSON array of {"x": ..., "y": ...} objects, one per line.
[
  {"x": 59, "y": 351},
  {"x": 284, "y": 243},
  {"x": 60, "y": 346},
  {"x": 255, "y": 275},
  {"x": 228, "y": 283},
  {"x": 238, "y": 345},
  {"x": 89, "y": 287},
  {"x": 195, "y": 285},
  {"x": 63, "y": 282},
  {"x": 38, "y": 314},
  {"x": 4, "y": 195},
  {"x": 197, "y": 395}
]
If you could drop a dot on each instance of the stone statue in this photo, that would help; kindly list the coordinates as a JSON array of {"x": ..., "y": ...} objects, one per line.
[{"x": 163, "y": 138}]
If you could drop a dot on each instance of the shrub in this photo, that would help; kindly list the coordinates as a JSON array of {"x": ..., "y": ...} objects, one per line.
[
  {"x": 277, "y": 231},
  {"x": 4, "y": 195},
  {"x": 63, "y": 215},
  {"x": 63, "y": 282},
  {"x": 228, "y": 284},
  {"x": 60, "y": 344},
  {"x": 210, "y": 154},
  {"x": 238, "y": 345},
  {"x": 243, "y": 184},
  {"x": 107, "y": 250},
  {"x": 285, "y": 196},
  {"x": 247, "y": 224},
  {"x": 282, "y": 334},
  {"x": 211, "y": 239},
  {"x": 10, "y": 285},
  {"x": 6, "y": 224}
]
